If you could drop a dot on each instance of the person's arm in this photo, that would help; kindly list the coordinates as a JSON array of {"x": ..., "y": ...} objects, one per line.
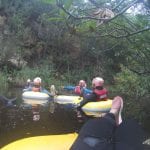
[
  {"x": 27, "y": 89},
  {"x": 87, "y": 98},
  {"x": 43, "y": 90},
  {"x": 87, "y": 91},
  {"x": 69, "y": 88}
]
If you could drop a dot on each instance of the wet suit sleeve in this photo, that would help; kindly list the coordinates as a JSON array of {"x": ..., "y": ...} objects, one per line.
[
  {"x": 87, "y": 91},
  {"x": 69, "y": 88},
  {"x": 27, "y": 89}
]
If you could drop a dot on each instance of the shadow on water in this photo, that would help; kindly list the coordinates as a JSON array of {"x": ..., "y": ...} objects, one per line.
[{"x": 17, "y": 122}]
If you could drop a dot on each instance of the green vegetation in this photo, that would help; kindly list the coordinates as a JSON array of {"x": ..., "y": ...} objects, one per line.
[
  {"x": 3, "y": 82},
  {"x": 135, "y": 90},
  {"x": 62, "y": 41}
]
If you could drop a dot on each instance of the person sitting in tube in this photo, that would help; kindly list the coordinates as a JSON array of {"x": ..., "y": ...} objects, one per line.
[
  {"x": 80, "y": 89},
  {"x": 37, "y": 82},
  {"x": 99, "y": 93}
]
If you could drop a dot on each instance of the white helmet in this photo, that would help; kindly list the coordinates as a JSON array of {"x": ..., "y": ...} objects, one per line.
[
  {"x": 37, "y": 81},
  {"x": 82, "y": 83},
  {"x": 97, "y": 82}
]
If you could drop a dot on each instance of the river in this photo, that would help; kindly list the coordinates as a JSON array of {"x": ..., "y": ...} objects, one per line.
[
  {"x": 21, "y": 121},
  {"x": 18, "y": 122}
]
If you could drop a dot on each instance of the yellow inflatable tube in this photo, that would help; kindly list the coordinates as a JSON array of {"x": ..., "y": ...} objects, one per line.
[
  {"x": 90, "y": 109},
  {"x": 96, "y": 108},
  {"x": 64, "y": 99},
  {"x": 49, "y": 142}
]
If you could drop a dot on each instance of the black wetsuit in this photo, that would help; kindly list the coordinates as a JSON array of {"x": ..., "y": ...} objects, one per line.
[{"x": 103, "y": 134}]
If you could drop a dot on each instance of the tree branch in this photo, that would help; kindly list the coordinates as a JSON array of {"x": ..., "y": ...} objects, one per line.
[
  {"x": 76, "y": 17},
  {"x": 139, "y": 73},
  {"x": 118, "y": 5},
  {"x": 131, "y": 34},
  {"x": 130, "y": 22},
  {"x": 121, "y": 36},
  {"x": 60, "y": 5},
  {"x": 124, "y": 10},
  {"x": 94, "y": 3},
  {"x": 105, "y": 50}
]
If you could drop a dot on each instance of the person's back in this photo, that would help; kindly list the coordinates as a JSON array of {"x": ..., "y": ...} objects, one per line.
[
  {"x": 98, "y": 89},
  {"x": 99, "y": 93}
]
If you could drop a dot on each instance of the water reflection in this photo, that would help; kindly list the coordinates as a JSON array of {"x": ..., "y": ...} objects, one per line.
[
  {"x": 36, "y": 112},
  {"x": 23, "y": 120}
]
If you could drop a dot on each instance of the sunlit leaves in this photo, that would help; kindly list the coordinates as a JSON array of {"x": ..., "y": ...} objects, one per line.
[{"x": 88, "y": 26}]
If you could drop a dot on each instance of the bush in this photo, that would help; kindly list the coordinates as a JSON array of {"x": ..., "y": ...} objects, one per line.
[
  {"x": 3, "y": 83},
  {"x": 135, "y": 90}
]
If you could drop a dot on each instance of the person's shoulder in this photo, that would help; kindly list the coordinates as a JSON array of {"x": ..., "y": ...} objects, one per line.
[
  {"x": 27, "y": 89},
  {"x": 86, "y": 90},
  {"x": 91, "y": 95}
]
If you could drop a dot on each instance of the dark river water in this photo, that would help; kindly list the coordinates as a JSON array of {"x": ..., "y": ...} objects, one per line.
[
  {"x": 19, "y": 121},
  {"x": 23, "y": 121}
]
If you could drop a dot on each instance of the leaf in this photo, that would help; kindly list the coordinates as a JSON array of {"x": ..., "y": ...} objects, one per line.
[
  {"x": 49, "y": 1},
  {"x": 67, "y": 4},
  {"x": 87, "y": 26},
  {"x": 55, "y": 19},
  {"x": 62, "y": 13}
]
